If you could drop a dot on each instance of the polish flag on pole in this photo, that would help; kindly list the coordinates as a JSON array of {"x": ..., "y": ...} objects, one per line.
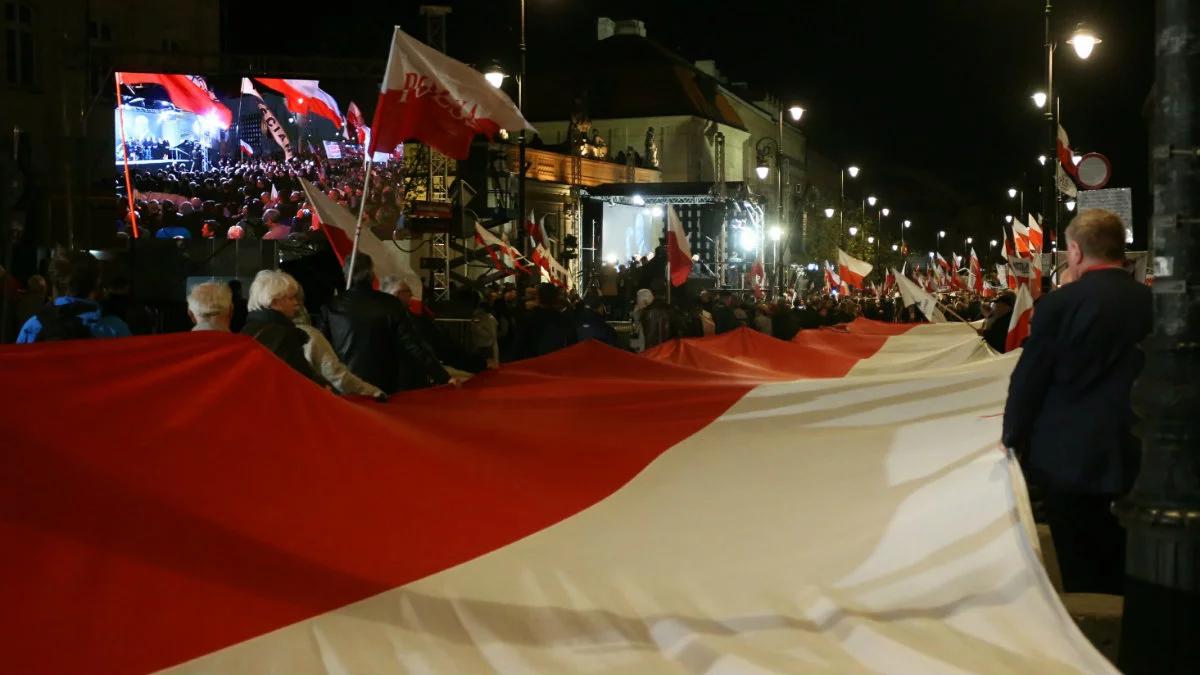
[
  {"x": 678, "y": 248},
  {"x": 976, "y": 273},
  {"x": 246, "y": 149},
  {"x": 911, "y": 294},
  {"x": 1002, "y": 274},
  {"x": 1022, "y": 314},
  {"x": 339, "y": 224},
  {"x": 943, "y": 264},
  {"x": 187, "y": 92},
  {"x": 355, "y": 119},
  {"x": 1035, "y": 235},
  {"x": 851, "y": 269},
  {"x": 304, "y": 97},
  {"x": 437, "y": 100},
  {"x": 1065, "y": 154},
  {"x": 1021, "y": 239},
  {"x": 832, "y": 280}
]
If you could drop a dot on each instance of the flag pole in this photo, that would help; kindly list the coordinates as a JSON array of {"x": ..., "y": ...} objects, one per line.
[
  {"x": 362, "y": 207},
  {"x": 125, "y": 153}
]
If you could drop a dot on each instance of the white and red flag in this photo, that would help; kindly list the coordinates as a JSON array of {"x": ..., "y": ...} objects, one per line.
[
  {"x": 1003, "y": 274},
  {"x": 833, "y": 282},
  {"x": 338, "y": 224},
  {"x": 976, "y": 276},
  {"x": 679, "y": 249},
  {"x": 851, "y": 269},
  {"x": 305, "y": 97},
  {"x": 245, "y": 148},
  {"x": 1022, "y": 314},
  {"x": 912, "y": 294},
  {"x": 187, "y": 92},
  {"x": 354, "y": 119},
  {"x": 1065, "y": 154},
  {"x": 437, "y": 100},
  {"x": 1036, "y": 240},
  {"x": 1021, "y": 239},
  {"x": 688, "y": 530}
]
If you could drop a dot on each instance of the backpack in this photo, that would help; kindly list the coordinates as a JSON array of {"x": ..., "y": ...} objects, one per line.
[{"x": 62, "y": 322}]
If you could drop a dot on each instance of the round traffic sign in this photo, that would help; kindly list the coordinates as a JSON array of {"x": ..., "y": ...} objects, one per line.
[{"x": 1093, "y": 170}]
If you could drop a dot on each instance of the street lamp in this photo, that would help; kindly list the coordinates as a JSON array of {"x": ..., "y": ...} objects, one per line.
[
  {"x": 1070, "y": 204},
  {"x": 871, "y": 200},
  {"x": 829, "y": 212},
  {"x": 495, "y": 75},
  {"x": 895, "y": 247},
  {"x": 1008, "y": 219},
  {"x": 970, "y": 240},
  {"x": 1042, "y": 160},
  {"x": 796, "y": 112},
  {"x": 870, "y": 240},
  {"x": 992, "y": 243},
  {"x": 762, "y": 169},
  {"x": 885, "y": 212},
  {"x": 1012, "y": 193},
  {"x": 853, "y": 171},
  {"x": 853, "y": 231},
  {"x": 1084, "y": 41},
  {"x": 1039, "y": 99},
  {"x": 907, "y": 224}
]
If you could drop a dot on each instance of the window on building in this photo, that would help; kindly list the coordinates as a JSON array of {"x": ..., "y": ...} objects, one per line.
[{"x": 18, "y": 44}]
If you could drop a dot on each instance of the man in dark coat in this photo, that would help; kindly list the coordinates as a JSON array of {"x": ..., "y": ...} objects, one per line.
[
  {"x": 723, "y": 317},
  {"x": 995, "y": 327},
  {"x": 374, "y": 336},
  {"x": 1069, "y": 411},
  {"x": 546, "y": 327}
]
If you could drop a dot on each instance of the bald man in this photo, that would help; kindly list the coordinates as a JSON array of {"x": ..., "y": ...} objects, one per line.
[{"x": 1069, "y": 413}]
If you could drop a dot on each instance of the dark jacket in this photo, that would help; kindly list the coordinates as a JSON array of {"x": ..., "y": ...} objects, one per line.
[
  {"x": 724, "y": 319},
  {"x": 277, "y": 333},
  {"x": 374, "y": 335},
  {"x": 996, "y": 334},
  {"x": 589, "y": 325},
  {"x": 656, "y": 323},
  {"x": 543, "y": 331},
  {"x": 1069, "y": 407}
]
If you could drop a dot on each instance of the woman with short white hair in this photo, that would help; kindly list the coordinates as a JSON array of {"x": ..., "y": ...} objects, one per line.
[
  {"x": 274, "y": 302},
  {"x": 210, "y": 306}
]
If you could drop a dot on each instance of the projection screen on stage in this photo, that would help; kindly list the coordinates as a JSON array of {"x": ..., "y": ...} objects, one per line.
[{"x": 629, "y": 232}]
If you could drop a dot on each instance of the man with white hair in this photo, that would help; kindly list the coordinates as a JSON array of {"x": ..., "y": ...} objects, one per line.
[
  {"x": 210, "y": 306},
  {"x": 274, "y": 302}
]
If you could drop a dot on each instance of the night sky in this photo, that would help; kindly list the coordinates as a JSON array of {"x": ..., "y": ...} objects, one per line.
[{"x": 930, "y": 97}]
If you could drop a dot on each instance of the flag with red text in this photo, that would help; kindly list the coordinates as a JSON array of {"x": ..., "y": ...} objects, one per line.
[{"x": 437, "y": 100}]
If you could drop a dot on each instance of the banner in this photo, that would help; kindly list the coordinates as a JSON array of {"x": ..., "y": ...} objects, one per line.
[{"x": 688, "y": 530}]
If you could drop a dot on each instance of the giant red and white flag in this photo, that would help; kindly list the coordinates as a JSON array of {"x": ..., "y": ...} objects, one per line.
[
  {"x": 432, "y": 98},
  {"x": 305, "y": 97},
  {"x": 401, "y": 543},
  {"x": 679, "y": 249},
  {"x": 338, "y": 224},
  {"x": 187, "y": 92},
  {"x": 1022, "y": 314},
  {"x": 851, "y": 269}
]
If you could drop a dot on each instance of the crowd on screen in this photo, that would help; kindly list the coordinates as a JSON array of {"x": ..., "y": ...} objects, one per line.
[{"x": 249, "y": 199}]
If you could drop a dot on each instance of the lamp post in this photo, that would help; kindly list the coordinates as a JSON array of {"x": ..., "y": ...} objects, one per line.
[
  {"x": 1161, "y": 514},
  {"x": 853, "y": 171},
  {"x": 763, "y": 170},
  {"x": 1083, "y": 40}
]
